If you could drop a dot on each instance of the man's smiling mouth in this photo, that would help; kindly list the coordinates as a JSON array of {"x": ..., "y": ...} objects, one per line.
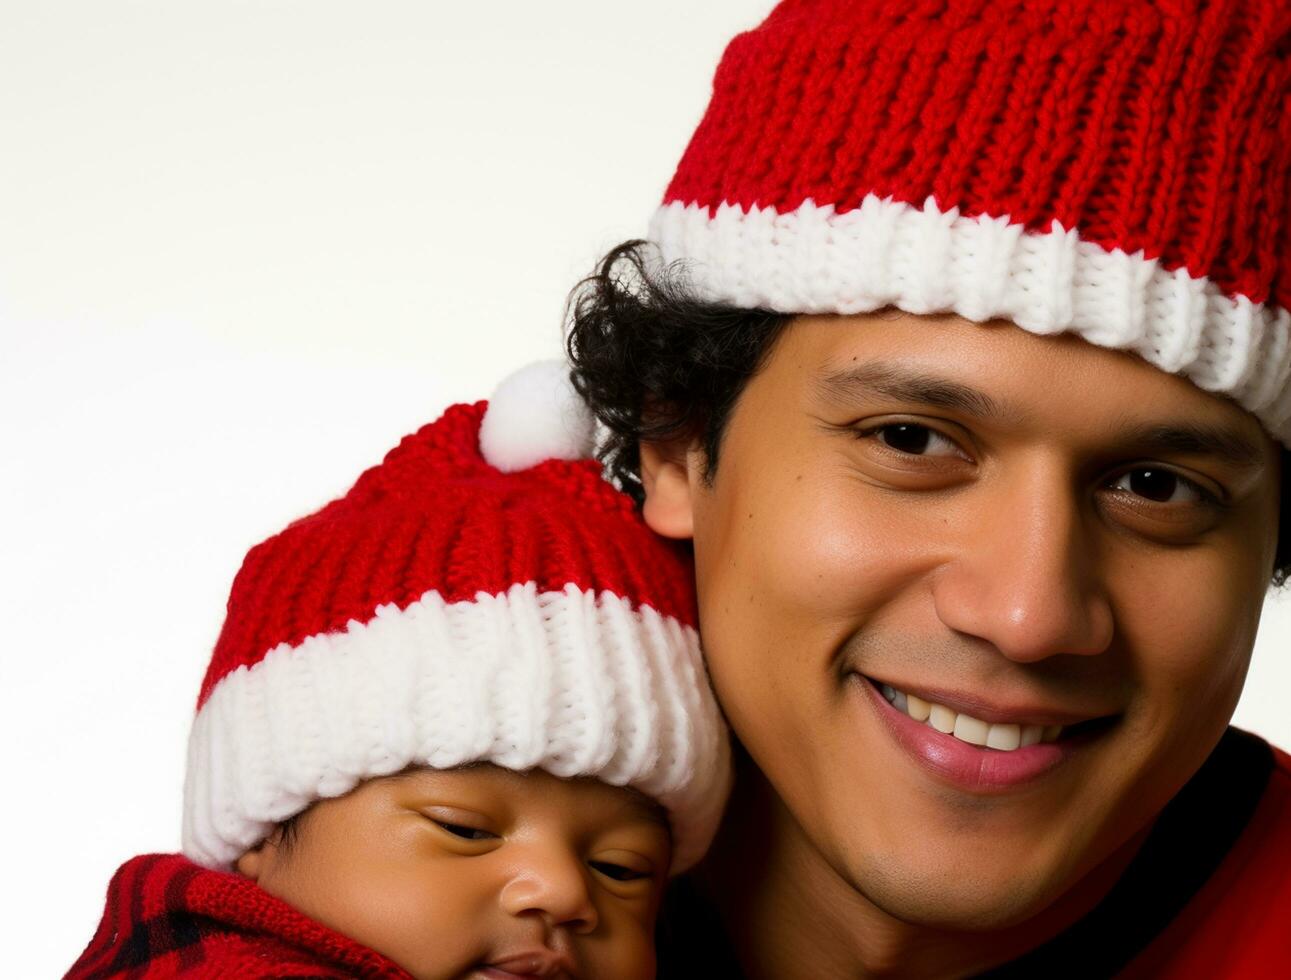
[
  {"x": 993, "y": 747},
  {"x": 1004, "y": 736}
]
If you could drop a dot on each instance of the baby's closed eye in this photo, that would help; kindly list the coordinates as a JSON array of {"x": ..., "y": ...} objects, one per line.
[
  {"x": 623, "y": 866},
  {"x": 465, "y": 832},
  {"x": 462, "y": 826}
]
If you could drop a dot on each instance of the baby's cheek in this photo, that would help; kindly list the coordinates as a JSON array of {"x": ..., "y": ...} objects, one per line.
[
  {"x": 622, "y": 948},
  {"x": 423, "y": 919}
]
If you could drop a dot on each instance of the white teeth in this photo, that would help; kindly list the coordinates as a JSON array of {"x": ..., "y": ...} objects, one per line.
[
  {"x": 966, "y": 728},
  {"x": 942, "y": 719},
  {"x": 971, "y": 730},
  {"x": 917, "y": 708},
  {"x": 1006, "y": 738}
]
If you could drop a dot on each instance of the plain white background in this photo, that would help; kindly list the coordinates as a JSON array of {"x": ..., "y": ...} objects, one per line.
[{"x": 244, "y": 247}]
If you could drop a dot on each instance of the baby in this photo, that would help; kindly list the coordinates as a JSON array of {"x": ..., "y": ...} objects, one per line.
[{"x": 456, "y": 725}]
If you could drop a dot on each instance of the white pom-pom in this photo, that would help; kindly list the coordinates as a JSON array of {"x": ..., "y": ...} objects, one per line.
[{"x": 536, "y": 415}]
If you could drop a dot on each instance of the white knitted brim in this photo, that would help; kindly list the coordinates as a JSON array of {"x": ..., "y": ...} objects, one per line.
[
  {"x": 926, "y": 260},
  {"x": 570, "y": 682}
]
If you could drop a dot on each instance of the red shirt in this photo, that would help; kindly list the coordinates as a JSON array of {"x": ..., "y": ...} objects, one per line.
[{"x": 1239, "y": 923}]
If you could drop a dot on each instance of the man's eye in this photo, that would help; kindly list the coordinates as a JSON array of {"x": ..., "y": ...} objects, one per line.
[
  {"x": 1160, "y": 486},
  {"x": 465, "y": 832},
  {"x": 914, "y": 439},
  {"x": 618, "y": 872}
]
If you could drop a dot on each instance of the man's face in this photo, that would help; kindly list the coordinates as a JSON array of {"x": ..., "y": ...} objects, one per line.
[
  {"x": 480, "y": 873},
  {"x": 1020, "y": 532}
]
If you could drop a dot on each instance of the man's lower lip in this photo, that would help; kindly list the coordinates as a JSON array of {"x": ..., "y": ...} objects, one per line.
[{"x": 967, "y": 767}]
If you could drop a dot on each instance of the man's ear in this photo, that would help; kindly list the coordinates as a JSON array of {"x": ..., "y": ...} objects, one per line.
[{"x": 665, "y": 477}]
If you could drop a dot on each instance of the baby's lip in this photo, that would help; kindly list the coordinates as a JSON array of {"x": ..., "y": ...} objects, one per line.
[{"x": 538, "y": 963}]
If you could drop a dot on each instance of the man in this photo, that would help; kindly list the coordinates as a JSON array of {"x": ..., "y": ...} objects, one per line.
[{"x": 966, "y": 370}]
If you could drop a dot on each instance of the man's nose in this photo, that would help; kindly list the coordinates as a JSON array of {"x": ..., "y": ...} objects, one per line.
[
  {"x": 1026, "y": 577},
  {"x": 552, "y": 883}
]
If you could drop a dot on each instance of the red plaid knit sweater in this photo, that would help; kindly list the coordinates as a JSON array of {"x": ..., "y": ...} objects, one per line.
[{"x": 168, "y": 917}]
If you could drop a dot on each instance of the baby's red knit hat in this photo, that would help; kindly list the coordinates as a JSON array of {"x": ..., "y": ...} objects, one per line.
[
  {"x": 481, "y": 595},
  {"x": 1113, "y": 168}
]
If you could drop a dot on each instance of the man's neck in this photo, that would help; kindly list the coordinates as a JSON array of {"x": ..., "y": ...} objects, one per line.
[{"x": 790, "y": 915}]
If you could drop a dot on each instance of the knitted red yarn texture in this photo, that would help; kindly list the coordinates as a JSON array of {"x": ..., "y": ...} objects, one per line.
[
  {"x": 435, "y": 515},
  {"x": 167, "y": 917},
  {"x": 1159, "y": 126}
]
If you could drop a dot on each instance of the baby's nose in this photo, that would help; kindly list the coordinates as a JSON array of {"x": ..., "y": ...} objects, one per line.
[{"x": 554, "y": 884}]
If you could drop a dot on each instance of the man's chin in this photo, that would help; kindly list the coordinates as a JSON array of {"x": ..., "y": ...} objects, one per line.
[{"x": 957, "y": 901}]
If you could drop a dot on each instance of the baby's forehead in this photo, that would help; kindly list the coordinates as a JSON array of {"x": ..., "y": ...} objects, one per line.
[{"x": 641, "y": 807}]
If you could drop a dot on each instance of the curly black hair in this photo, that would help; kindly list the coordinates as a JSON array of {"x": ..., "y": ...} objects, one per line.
[{"x": 654, "y": 362}]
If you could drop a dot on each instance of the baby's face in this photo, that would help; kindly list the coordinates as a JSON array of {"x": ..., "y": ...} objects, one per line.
[{"x": 481, "y": 873}]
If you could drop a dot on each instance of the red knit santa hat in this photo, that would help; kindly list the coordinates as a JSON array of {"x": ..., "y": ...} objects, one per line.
[
  {"x": 481, "y": 595},
  {"x": 1113, "y": 168}
]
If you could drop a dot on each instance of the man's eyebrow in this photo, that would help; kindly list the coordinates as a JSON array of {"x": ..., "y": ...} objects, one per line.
[
  {"x": 1193, "y": 439},
  {"x": 903, "y": 384}
]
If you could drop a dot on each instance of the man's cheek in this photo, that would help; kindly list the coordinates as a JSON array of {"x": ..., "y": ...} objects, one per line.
[
  {"x": 827, "y": 554},
  {"x": 1189, "y": 650}
]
